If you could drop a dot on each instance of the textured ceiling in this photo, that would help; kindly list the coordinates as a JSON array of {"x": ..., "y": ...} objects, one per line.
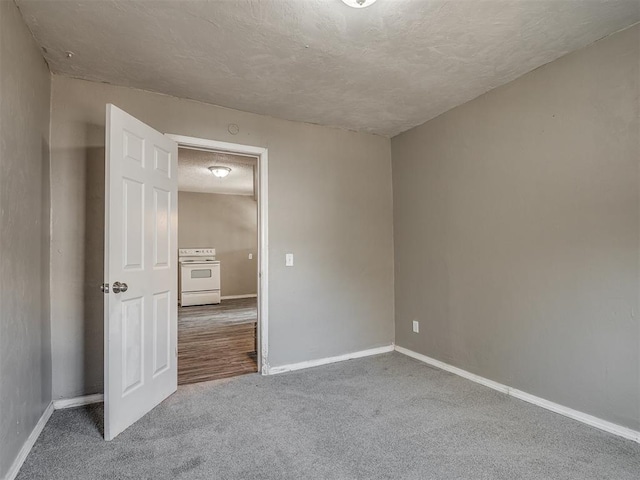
[
  {"x": 194, "y": 174},
  {"x": 381, "y": 69}
]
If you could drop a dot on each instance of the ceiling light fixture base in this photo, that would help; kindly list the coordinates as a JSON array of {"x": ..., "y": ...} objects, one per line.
[{"x": 359, "y": 3}]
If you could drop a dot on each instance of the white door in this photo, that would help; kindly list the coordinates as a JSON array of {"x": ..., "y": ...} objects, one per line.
[{"x": 140, "y": 365}]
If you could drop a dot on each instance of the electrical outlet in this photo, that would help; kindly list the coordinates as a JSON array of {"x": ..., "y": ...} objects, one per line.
[
  {"x": 416, "y": 326},
  {"x": 251, "y": 256},
  {"x": 288, "y": 260}
]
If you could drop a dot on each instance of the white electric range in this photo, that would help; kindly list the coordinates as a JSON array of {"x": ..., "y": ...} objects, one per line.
[{"x": 199, "y": 276}]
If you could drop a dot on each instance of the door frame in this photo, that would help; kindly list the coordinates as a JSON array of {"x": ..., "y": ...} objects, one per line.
[{"x": 263, "y": 224}]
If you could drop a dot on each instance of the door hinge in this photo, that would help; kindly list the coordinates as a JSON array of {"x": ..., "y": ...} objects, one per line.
[{"x": 104, "y": 288}]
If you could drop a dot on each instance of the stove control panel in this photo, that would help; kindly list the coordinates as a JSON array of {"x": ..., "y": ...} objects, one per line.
[{"x": 196, "y": 252}]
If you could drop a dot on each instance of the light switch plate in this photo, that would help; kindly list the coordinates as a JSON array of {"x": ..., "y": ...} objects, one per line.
[
  {"x": 416, "y": 326},
  {"x": 288, "y": 260}
]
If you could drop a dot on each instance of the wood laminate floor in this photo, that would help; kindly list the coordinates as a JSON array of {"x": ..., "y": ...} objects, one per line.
[{"x": 217, "y": 341}]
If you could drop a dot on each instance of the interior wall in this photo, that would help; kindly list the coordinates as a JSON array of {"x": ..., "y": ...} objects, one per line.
[
  {"x": 516, "y": 230},
  {"x": 330, "y": 203},
  {"x": 25, "y": 362},
  {"x": 228, "y": 223}
]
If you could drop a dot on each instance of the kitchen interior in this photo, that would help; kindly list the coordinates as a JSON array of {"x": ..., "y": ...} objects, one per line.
[{"x": 218, "y": 265}]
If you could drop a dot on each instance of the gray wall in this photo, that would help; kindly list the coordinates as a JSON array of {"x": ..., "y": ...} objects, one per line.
[
  {"x": 229, "y": 223},
  {"x": 516, "y": 232},
  {"x": 25, "y": 361},
  {"x": 330, "y": 203}
]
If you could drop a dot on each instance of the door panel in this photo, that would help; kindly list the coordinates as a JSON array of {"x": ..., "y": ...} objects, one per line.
[
  {"x": 162, "y": 162},
  {"x": 132, "y": 344},
  {"x": 161, "y": 332},
  {"x": 133, "y": 212},
  {"x": 140, "y": 245},
  {"x": 161, "y": 228}
]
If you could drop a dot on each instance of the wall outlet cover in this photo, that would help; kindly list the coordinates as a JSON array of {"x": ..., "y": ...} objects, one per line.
[
  {"x": 288, "y": 260},
  {"x": 416, "y": 326}
]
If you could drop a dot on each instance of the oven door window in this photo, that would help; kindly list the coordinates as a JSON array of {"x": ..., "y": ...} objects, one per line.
[{"x": 201, "y": 273}]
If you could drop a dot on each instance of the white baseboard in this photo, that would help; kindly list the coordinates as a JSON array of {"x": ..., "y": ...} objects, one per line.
[
  {"x": 28, "y": 445},
  {"x": 233, "y": 297},
  {"x": 596, "y": 422},
  {"x": 37, "y": 430},
  {"x": 324, "y": 361},
  {"x": 78, "y": 401}
]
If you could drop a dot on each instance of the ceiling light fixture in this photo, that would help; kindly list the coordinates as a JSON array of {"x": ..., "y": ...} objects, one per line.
[
  {"x": 220, "y": 172},
  {"x": 359, "y": 3}
]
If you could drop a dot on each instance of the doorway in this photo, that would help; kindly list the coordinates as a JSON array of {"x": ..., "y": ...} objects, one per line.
[
  {"x": 217, "y": 271},
  {"x": 221, "y": 238}
]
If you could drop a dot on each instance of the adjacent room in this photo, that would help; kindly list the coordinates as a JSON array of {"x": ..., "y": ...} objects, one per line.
[
  {"x": 320, "y": 239},
  {"x": 218, "y": 278}
]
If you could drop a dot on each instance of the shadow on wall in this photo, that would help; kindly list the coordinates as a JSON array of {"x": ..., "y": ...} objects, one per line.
[
  {"x": 45, "y": 255},
  {"x": 94, "y": 260}
]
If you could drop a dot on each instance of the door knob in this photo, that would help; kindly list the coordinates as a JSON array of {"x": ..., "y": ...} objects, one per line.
[{"x": 118, "y": 287}]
